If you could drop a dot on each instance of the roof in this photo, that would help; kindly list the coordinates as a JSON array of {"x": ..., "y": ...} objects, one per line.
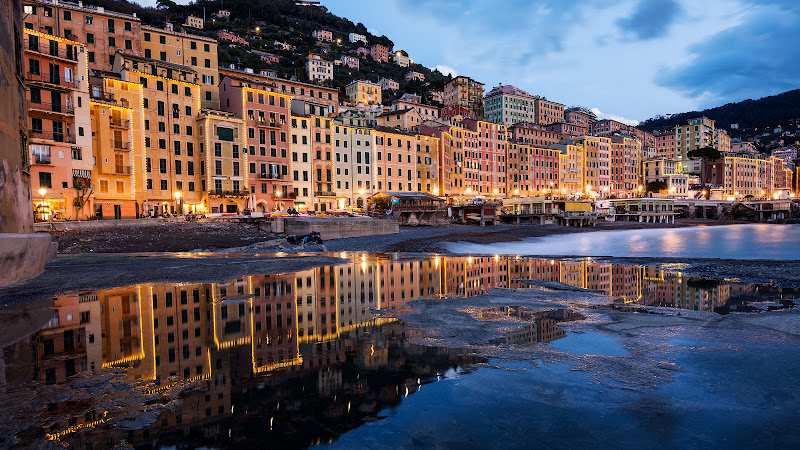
[
  {"x": 508, "y": 89},
  {"x": 397, "y": 111}
]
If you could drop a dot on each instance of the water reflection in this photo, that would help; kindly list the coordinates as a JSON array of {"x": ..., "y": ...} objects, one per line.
[{"x": 300, "y": 356}]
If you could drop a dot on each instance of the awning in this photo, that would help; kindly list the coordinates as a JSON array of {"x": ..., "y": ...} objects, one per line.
[
  {"x": 299, "y": 203},
  {"x": 81, "y": 173}
]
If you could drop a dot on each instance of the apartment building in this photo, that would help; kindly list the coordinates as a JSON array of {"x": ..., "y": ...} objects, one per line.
[
  {"x": 401, "y": 59},
  {"x": 395, "y": 157},
  {"x": 546, "y": 112},
  {"x": 696, "y": 134},
  {"x": 577, "y": 115},
  {"x": 412, "y": 101},
  {"x": 508, "y": 105},
  {"x": 181, "y": 48},
  {"x": 571, "y": 164},
  {"x": 488, "y": 157},
  {"x": 322, "y": 35},
  {"x": 625, "y": 154},
  {"x": 355, "y": 37},
  {"x": 363, "y": 91},
  {"x": 350, "y": 61},
  {"x": 320, "y": 100},
  {"x": 353, "y": 166},
  {"x": 465, "y": 92},
  {"x": 534, "y": 135},
  {"x": 665, "y": 144},
  {"x": 226, "y": 181},
  {"x": 318, "y": 69},
  {"x": 266, "y": 114},
  {"x": 101, "y": 32},
  {"x": 597, "y": 160},
  {"x": 194, "y": 22},
  {"x": 379, "y": 53},
  {"x": 388, "y": 84},
  {"x": 414, "y": 76},
  {"x": 668, "y": 171},
  {"x": 172, "y": 154},
  {"x": 59, "y": 126}
]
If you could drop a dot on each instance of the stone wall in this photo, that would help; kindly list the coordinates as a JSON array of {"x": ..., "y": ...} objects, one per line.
[{"x": 336, "y": 227}]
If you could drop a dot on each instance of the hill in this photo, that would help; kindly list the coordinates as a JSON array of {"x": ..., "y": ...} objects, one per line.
[
  {"x": 754, "y": 117},
  {"x": 262, "y": 22}
]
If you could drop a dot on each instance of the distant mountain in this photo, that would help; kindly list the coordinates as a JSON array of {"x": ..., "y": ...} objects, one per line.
[
  {"x": 754, "y": 117},
  {"x": 262, "y": 22}
]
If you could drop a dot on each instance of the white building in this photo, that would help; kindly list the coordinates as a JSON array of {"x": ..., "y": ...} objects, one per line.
[
  {"x": 401, "y": 60},
  {"x": 355, "y": 37},
  {"x": 319, "y": 69},
  {"x": 389, "y": 84}
]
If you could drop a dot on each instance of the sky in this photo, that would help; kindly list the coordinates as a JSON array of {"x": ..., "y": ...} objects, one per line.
[{"x": 627, "y": 60}]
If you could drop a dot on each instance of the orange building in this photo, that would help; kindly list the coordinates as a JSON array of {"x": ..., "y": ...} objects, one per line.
[
  {"x": 59, "y": 127},
  {"x": 102, "y": 32}
]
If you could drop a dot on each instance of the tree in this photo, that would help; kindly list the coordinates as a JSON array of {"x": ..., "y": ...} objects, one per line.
[
  {"x": 657, "y": 186},
  {"x": 704, "y": 154},
  {"x": 168, "y": 5}
]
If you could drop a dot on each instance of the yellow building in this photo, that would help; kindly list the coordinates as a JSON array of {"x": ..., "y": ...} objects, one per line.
[
  {"x": 226, "y": 159},
  {"x": 698, "y": 133},
  {"x": 363, "y": 91},
  {"x": 173, "y": 160},
  {"x": 197, "y": 52},
  {"x": 113, "y": 139}
]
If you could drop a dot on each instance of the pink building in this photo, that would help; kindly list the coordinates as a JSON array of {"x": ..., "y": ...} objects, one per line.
[
  {"x": 323, "y": 35},
  {"x": 226, "y": 35},
  {"x": 665, "y": 144},
  {"x": 350, "y": 61},
  {"x": 568, "y": 128},
  {"x": 379, "y": 53},
  {"x": 363, "y": 51}
]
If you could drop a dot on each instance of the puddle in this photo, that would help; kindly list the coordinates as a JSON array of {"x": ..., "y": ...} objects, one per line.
[{"x": 298, "y": 358}]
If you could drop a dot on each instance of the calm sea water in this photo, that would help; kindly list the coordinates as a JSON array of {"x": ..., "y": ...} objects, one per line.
[{"x": 757, "y": 241}]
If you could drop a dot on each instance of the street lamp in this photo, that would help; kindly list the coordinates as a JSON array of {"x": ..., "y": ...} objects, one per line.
[
  {"x": 42, "y": 192},
  {"x": 178, "y": 206}
]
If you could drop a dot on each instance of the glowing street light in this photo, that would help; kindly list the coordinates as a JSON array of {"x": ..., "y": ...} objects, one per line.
[
  {"x": 258, "y": 29},
  {"x": 42, "y": 192},
  {"x": 361, "y": 191}
]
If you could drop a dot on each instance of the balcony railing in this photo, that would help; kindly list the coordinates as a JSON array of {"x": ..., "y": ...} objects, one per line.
[
  {"x": 50, "y": 136},
  {"x": 119, "y": 123},
  {"x": 119, "y": 145},
  {"x": 122, "y": 170},
  {"x": 269, "y": 176},
  {"x": 51, "y": 80},
  {"x": 43, "y": 48},
  {"x": 324, "y": 194},
  {"x": 58, "y": 108},
  {"x": 41, "y": 159}
]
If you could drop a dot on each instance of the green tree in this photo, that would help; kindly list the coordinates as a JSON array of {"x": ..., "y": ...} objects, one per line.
[
  {"x": 705, "y": 155},
  {"x": 657, "y": 186}
]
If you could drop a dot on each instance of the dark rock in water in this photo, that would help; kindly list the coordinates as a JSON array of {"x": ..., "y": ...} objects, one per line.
[{"x": 555, "y": 285}]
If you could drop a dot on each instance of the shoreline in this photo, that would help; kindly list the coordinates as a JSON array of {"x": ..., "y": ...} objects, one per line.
[{"x": 90, "y": 270}]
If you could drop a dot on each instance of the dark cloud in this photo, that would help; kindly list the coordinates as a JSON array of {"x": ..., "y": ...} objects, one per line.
[
  {"x": 651, "y": 19},
  {"x": 759, "y": 57}
]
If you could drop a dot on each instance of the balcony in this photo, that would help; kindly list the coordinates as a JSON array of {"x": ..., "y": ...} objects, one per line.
[
  {"x": 51, "y": 80},
  {"x": 51, "y": 136},
  {"x": 43, "y": 159},
  {"x": 42, "y": 47},
  {"x": 57, "y": 108},
  {"x": 269, "y": 176},
  {"x": 122, "y": 170},
  {"x": 324, "y": 194},
  {"x": 119, "y": 123},
  {"x": 120, "y": 145}
]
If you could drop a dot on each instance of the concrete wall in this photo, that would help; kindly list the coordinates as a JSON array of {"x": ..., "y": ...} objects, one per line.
[
  {"x": 23, "y": 255},
  {"x": 339, "y": 227}
]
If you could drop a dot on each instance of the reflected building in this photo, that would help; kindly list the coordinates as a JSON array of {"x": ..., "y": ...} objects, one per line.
[{"x": 202, "y": 356}]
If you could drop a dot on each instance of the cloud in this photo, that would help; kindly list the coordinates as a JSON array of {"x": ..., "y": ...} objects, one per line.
[
  {"x": 759, "y": 57},
  {"x": 651, "y": 19},
  {"x": 374, "y": 31},
  {"x": 446, "y": 70},
  {"x": 601, "y": 115}
]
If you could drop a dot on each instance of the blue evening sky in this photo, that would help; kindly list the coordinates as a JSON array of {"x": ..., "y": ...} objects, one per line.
[{"x": 628, "y": 59}]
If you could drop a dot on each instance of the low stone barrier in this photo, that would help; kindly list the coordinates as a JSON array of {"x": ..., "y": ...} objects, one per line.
[{"x": 332, "y": 227}]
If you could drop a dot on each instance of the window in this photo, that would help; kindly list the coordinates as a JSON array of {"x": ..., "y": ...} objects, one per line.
[
  {"x": 193, "y": 45},
  {"x": 45, "y": 180},
  {"x": 162, "y": 39},
  {"x": 128, "y": 26},
  {"x": 147, "y": 37},
  {"x": 194, "y": 60},
  {"x": 128, "y": 44},
  {"x": 111, "y": 25},
  {"x": 112, "y": 42},
  {"x": 206, "y": 48}
]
